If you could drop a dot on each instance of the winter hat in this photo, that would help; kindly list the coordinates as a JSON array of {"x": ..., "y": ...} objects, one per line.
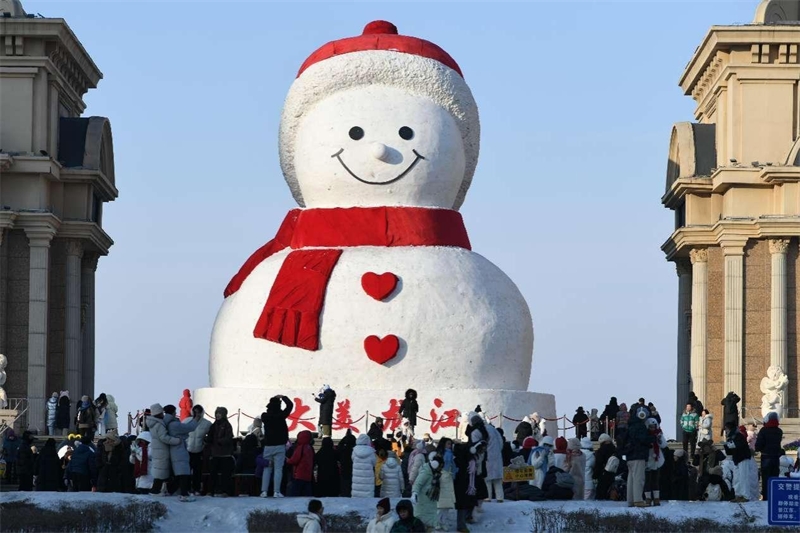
[
  {"x": 604, "y": 437},
  {"x": 547, "y": 441},
  {"x": 573, "y": 444},
  {"x": 145, "y": 436},
  {"x": 679, "y": 453},
  {"x": 380, "y": 56},
  {"x": 561, "y": 445},
  {"x": 170, "y": 409},
  {"x": 63, "y": 393},
  {"x": 405, "y": 505},
  {"x": 475, "y": 437},
  {"x": 54, "y": 395},
  {"x": 156, "y": 409},
  {"x": 529, "y": 443},
  {"x": 586, "y": 443},
  {"x": 651, "y": 422},
  {"x": 222, "y": 410},
  {"x": 385, "y": 504}
]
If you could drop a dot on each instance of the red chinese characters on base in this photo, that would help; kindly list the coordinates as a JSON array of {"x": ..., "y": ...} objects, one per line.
[
  {"x": 448, "y": 419},
  {"x": 343, "y": 420},
  {"x": 391, "y": 416},
  {"x": 296, "y": 418}
]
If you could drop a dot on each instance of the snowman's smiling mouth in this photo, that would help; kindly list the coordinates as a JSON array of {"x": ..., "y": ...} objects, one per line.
[{"x": 338, "y": 155}]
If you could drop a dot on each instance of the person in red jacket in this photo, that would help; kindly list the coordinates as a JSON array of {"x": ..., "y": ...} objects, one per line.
[
  {"x": 186, "y": 404},
  {"x": 302, "y": 461}
]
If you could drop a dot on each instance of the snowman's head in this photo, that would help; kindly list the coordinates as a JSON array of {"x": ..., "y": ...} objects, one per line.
[{"x": 380, "y": 119}]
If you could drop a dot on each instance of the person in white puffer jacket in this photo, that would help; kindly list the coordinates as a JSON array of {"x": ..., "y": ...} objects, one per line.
[
  {"x": 705, "y": 431},
  {"x": 364, "y": 460},
  {"x": 144, "y": 479},
  {"x": 195, "y": 443},
  {"x": 588, "y": 452},
  {"x": 655, "y": 460},
  {"x": 541, "y": 458},
  {"x": 392, "y": 478}
]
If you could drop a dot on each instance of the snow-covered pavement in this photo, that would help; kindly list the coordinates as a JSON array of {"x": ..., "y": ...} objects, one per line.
[{"x": 230, "y": 514}]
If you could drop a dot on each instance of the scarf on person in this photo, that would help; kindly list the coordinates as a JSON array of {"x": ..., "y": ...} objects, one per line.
[
  {"x": 771, "y": 423},
  {"x": 570, "y": 454},
  {"x": 436, "y": 482},
  {"x": 140, "y": 467},
  {"x": 291, "y": 314},
  {"x": 656, "y": 448},
  {"x": 472, "y": 469}
]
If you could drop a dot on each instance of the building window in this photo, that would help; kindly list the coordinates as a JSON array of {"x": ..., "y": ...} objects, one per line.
[
  {"x": 680, "y": 216},
  {"x": 97, "y": 210}
]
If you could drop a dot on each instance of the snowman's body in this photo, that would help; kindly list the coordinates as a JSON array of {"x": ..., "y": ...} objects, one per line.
[
  {"x": 376, "y": 123},
  {"x": 462, "y": 323}
]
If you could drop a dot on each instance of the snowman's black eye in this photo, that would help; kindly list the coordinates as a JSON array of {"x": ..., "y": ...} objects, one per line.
[
  {"x": 356, "y": 133},
  {"x": 406, "y": 133}
]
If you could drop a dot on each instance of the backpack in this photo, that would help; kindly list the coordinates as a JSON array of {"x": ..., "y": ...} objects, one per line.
[{"x": 612, "y": 464}]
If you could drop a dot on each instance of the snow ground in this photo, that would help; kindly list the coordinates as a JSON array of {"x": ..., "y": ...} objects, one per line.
[{"x": 230, "y": 514}]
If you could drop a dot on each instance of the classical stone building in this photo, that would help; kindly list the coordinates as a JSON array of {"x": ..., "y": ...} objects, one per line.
[
  {"x": 733, "y": 181},
  {"x": 56, "y": 172}
]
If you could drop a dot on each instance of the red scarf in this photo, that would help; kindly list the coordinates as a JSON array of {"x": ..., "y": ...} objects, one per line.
[
  {"x": 292, "y": 311},
  {"x": 656, "y": 447},
  {"x": 140, "y": 467},
  {"x": 771, "y": 423}
]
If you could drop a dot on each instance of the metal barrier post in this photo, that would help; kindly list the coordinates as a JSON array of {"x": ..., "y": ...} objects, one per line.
[
  {"x": 366, "y": 422},
  {"x": 238, "y": 423}
]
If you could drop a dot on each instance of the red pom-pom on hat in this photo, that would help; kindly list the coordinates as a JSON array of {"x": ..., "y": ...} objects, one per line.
[{"x": 381, "y": 35}]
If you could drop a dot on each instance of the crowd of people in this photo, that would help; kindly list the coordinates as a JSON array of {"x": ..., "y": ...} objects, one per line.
[{"x": 621, "y": 455}]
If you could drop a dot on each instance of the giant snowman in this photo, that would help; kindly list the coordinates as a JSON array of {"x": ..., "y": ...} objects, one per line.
[{"x": 371, "y": 285}]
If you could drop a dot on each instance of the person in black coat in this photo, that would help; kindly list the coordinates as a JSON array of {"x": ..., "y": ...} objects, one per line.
[
  {"x": 409, "y": 408},
  {"x": 730, "y": 410},
  {"x": 375, "y": 434},
  {"x": 326, "y": 400},
  {"x": 63, "y": 413},
  {"x": 25, "y": 462},
  {"x": 768, "y": 443},
  {"x": 345, "y": 455},
  {"x": 110, "y": 460},
  {"x": 49, "y": 473},
  {"x": 580, "y": 421},
  {"x": 523, "y": 430},
  {"x": 327, "y": 462},
  {"x": 603, "y": 477},
  {"x": 250, "y": 448},
  {"x": 466, "y": 477},
  {"x": 695, "y": 401},
  {"x": 680, "y": 476},
  {"x": 610, "y": 414}
]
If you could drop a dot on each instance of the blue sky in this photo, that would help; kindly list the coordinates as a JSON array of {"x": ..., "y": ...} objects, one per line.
[{"x": 576, "y": 98}]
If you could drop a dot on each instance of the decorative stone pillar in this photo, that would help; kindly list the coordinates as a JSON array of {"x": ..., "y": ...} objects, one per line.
[
  {"x": 778, "y": 334},
  {"x": 39, "y": 240},
  {"x": 699, "y": 337},
  {"x": 684, "y": 376},
  {"x": 734, "y": 320},
  {"x": 73, "y": 358},
  {"x": 88, "y": 268}
]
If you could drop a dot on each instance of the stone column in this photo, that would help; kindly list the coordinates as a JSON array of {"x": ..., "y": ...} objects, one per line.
[
  {"x": 777, "y": 345},
  {"x": 39, "y": 239},
  {"x": 683, "y": 378},
  {"x": 699, "y": 336},
  {"x": 734, "y": 320},
  {"x": 73, "y": 358},
  {"x": 88, "y": 269}
]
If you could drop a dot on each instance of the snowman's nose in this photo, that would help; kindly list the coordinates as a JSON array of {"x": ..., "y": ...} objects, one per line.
[{"x": 380, "y": 151}]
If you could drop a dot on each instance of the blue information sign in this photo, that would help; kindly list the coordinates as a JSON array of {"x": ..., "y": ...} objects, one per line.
[{"x": 784, "y": 502}]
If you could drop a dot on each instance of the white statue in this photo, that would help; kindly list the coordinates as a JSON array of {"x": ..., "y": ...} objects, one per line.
[
  {"x": 3, "y": 397},
  {"x": 773, "y": 386}
]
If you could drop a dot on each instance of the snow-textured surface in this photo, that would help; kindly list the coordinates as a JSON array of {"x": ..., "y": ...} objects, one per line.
[{"x": 230, "y": 514}]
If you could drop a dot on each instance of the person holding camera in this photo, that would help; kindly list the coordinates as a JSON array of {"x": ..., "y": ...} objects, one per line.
[
  {"x": 276, "y": 435},
  {"x": 326, "y": 400}
]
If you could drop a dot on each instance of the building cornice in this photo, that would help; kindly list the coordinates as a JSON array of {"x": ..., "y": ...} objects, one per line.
[
  {"x": 720, "y": 38},
  {"x": 55, "y": 28},
  {"x": 94, "y": 177},
  {"x": 730, "y": 233},
  {"x": 41, "y": 226},
  {"x": 7, "y": 218},
  {"x": 92, "y": 235}
]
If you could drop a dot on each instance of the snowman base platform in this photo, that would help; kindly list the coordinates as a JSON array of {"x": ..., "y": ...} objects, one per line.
[{"x": 356, "y": 409}]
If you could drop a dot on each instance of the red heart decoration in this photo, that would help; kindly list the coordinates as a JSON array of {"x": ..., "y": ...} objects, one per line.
[
  {"x": 381, "y": 350},
  {"x": 379, "y": 286}
]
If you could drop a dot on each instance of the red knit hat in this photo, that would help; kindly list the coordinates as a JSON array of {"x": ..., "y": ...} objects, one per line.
[
  {"x": 381, "y": 35},
  {"x": 561, "y": 445},
  {"x": 529, "y": 443}
]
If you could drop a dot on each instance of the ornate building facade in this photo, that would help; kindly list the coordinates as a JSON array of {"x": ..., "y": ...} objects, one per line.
[
  {"x": 56, "y": 172},
  {"x": 733, "y": 181}
]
